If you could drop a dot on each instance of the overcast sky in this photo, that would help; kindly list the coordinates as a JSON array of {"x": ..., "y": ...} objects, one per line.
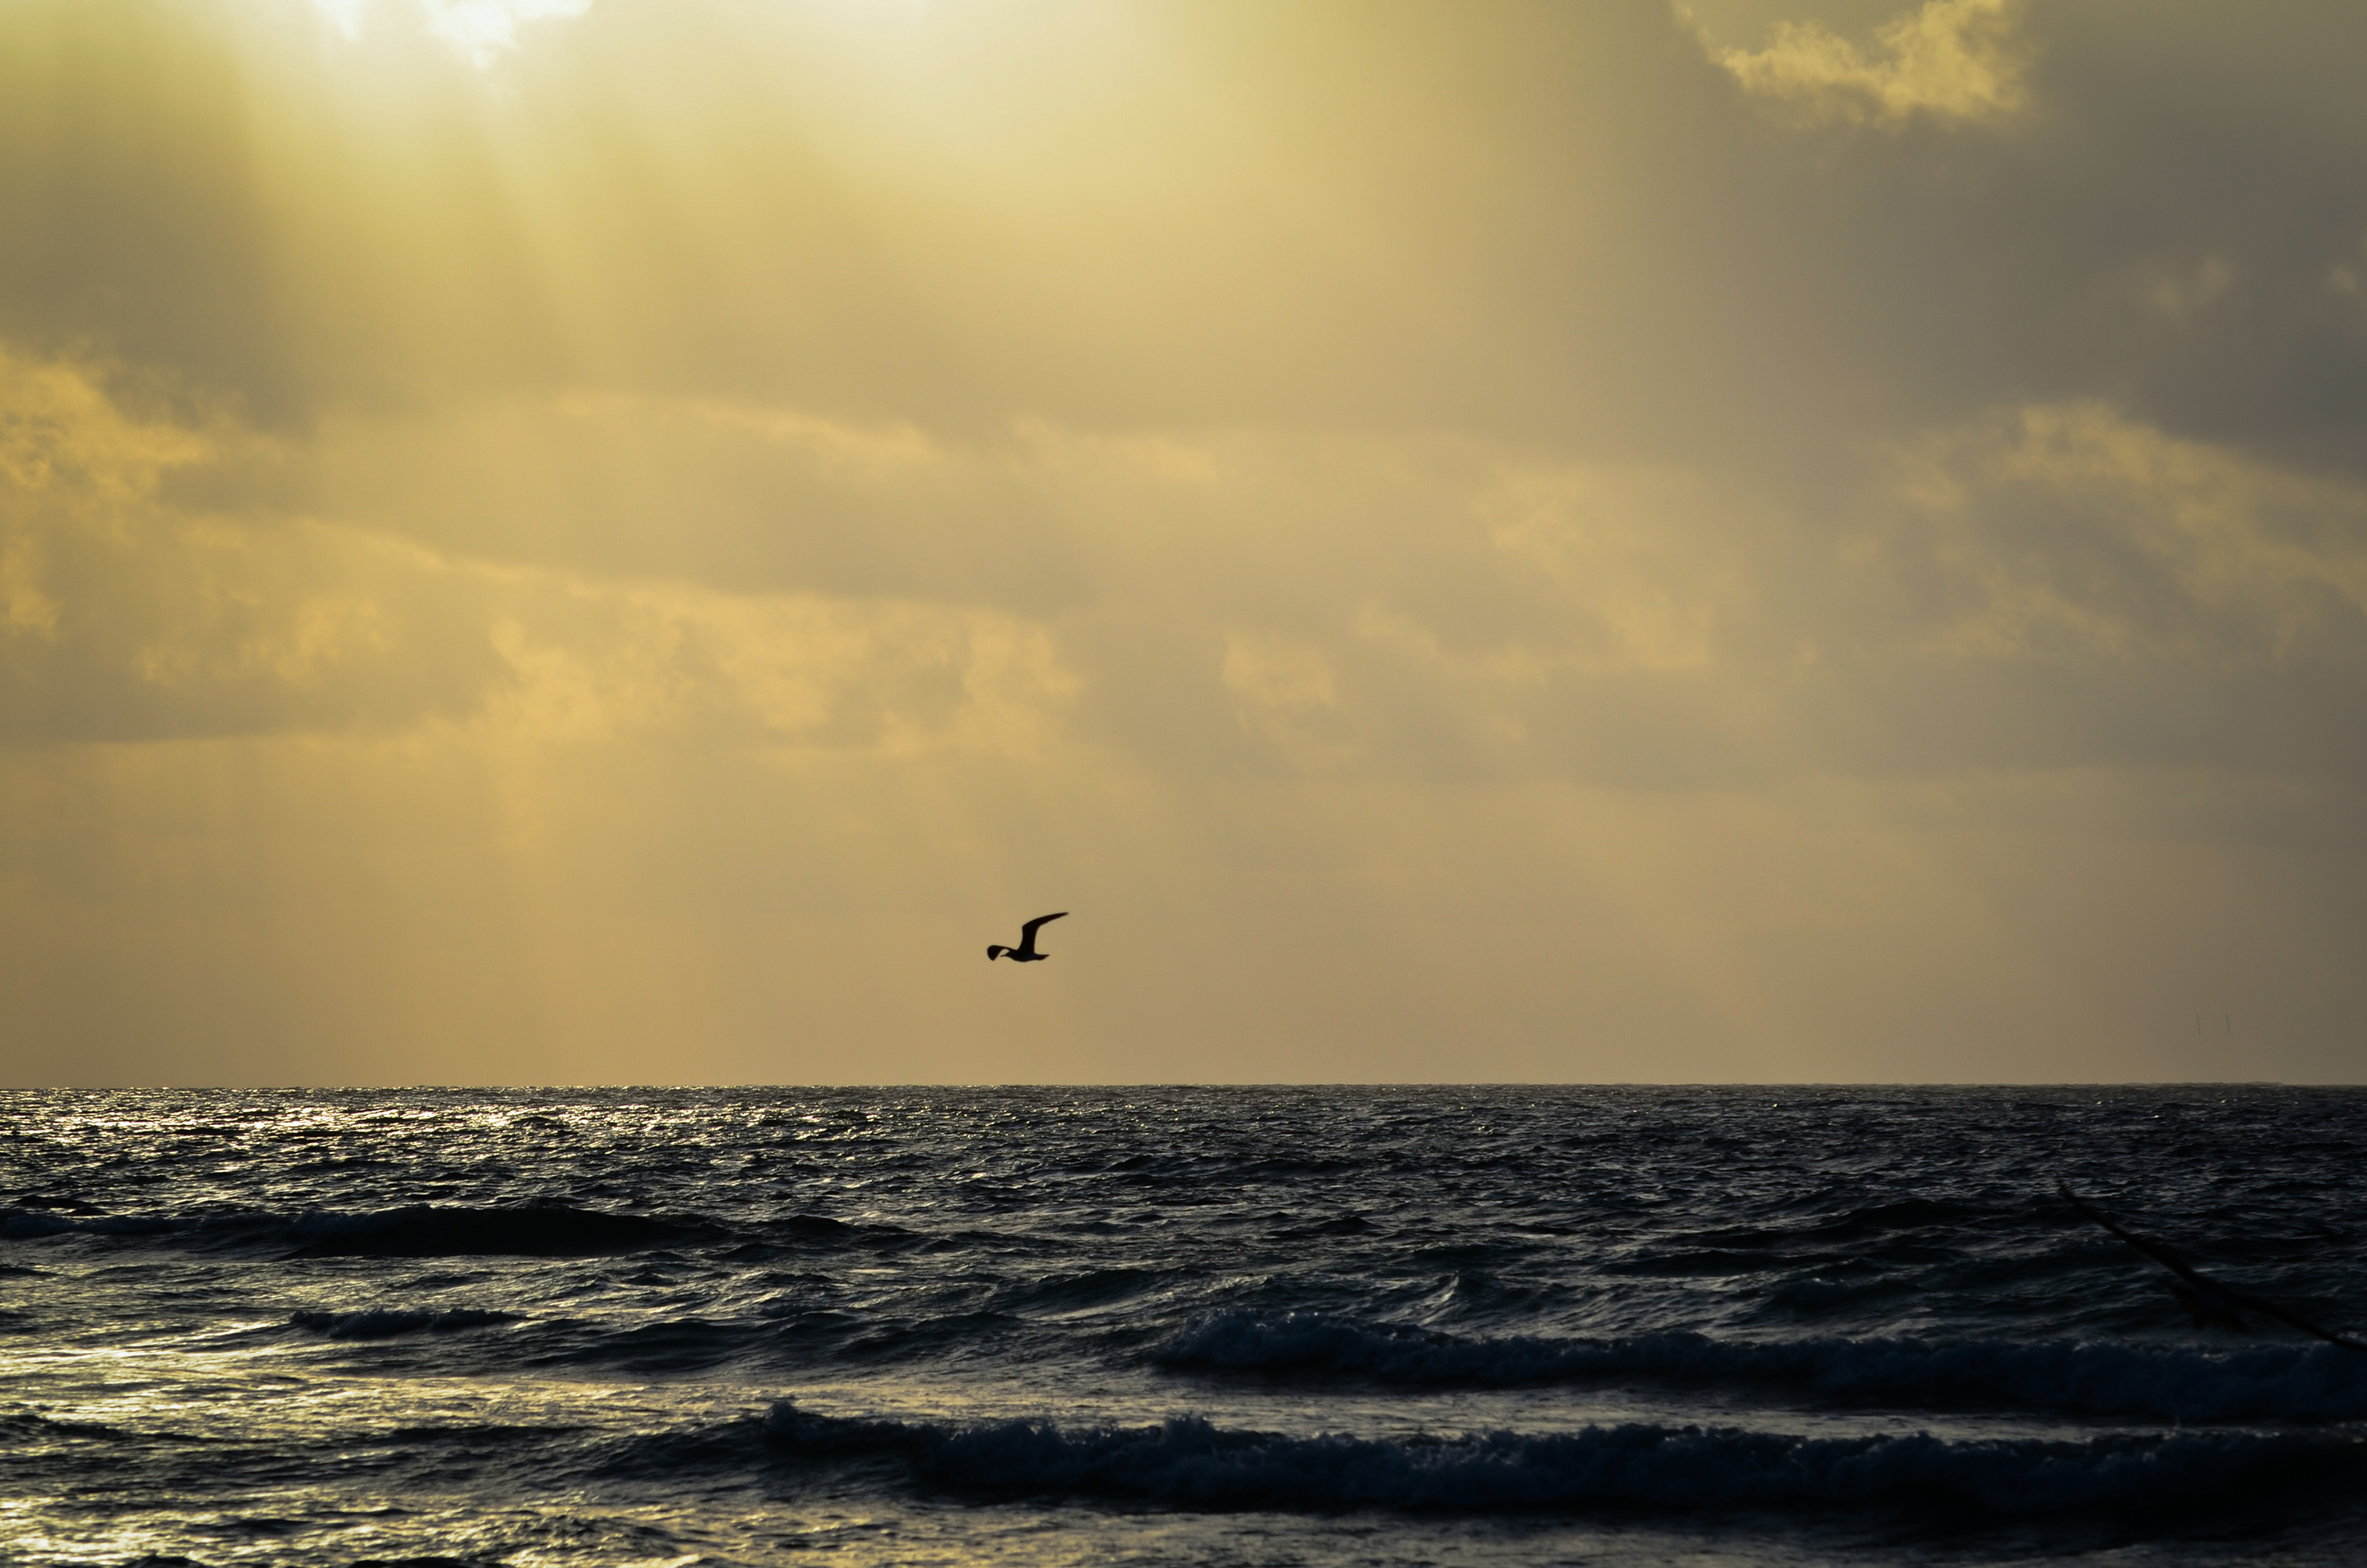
[{"x": 546, "y": 541}]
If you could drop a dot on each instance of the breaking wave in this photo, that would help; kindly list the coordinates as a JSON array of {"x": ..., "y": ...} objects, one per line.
[
  {"x": 385, "y": 1323},
  {"x": 2318, "y": 1383},
  {"x": 1189, "y": 1462}
]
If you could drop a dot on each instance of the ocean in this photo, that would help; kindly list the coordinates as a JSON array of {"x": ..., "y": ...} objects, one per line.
[{"x": 1242, "y": 1326}]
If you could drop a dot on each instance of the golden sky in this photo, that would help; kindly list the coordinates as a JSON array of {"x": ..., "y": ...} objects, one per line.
[{"x": 567, "y": 541}]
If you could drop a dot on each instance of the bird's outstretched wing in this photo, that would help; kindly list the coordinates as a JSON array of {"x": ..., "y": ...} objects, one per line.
[
  {"x": 1026, "y": 947},
  {"x": 2155, "y": 1252}
]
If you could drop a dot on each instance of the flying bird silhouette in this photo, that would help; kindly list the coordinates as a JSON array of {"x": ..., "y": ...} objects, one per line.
[
  {"x": 2210, "y": 1303},
  {"x": 1025, "y": 952}
]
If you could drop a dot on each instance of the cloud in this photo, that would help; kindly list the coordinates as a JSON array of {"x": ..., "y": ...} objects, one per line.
[
  {"x": 1204, "y": 600},
  {"x": 2075, "y": 530},
  {"x": 1952, "y": 61},
  {"x": 130, "y": 613},
  {"x": 668, "y": 662},
  {"x": 1428, "y": 231}
]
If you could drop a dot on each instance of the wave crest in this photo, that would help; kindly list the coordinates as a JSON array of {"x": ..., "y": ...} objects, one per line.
[
  {"x": 384, "y": 1322},
  {"x": 1191, "y": 1463},
  {"x": 2316, "y": 1382}
]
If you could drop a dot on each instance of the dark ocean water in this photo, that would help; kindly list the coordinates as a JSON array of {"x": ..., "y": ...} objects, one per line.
[{"x": 1198, "y": 1325}]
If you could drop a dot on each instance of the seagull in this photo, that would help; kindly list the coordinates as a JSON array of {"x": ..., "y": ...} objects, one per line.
[
  {"x": 2210, "y": 1303},
  {"x": 1025, "y": 952}
]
